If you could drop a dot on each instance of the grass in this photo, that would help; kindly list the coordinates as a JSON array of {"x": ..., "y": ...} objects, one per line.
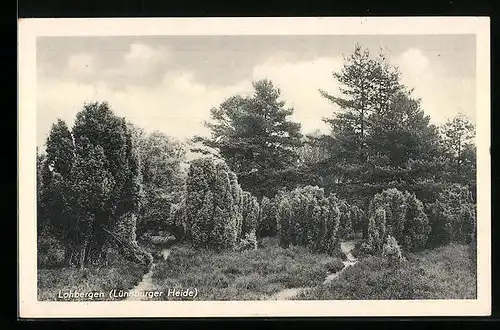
[
  {"x": 119, "y": 274},
  {"x": 246, "y": 275},
  {"x": 442, "y": 273}
]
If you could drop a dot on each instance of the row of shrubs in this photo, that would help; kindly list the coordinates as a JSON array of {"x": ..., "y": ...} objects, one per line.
[
  {"x": 307, "y": 217},
  {"x": 398, "y": 222},
  {"x": 216, "y": 213}
]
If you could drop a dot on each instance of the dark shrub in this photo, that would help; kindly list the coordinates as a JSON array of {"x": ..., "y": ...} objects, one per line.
[{"x": 50, "y": 251}]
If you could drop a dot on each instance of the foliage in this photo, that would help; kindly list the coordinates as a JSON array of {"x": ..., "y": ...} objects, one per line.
[
  {"x": 241, "y": 275},
  {"x": 442, "y": 273},
  {"x": 452, "y": 216},
  {"x": 50, "y": 252},
  {"x": 458, "y": 135},
  {"x": 162, "y": 177},
  {"x": 346, "y": 230},
  {"x": 380, "y": 136},
  {"x": 215, "y": 206},
  {"x": 177, "y": 220},
  {"x": 267, "y": 218},
  {"x": 399, "y": 214},
  {"x": 89, "y": 180},
  {"x": 255, "y": 136},
  {"x": 248, "y": 242},
  {"x": 285, "y": 218},
  {"x": 392, "y": 252},
  {"x": 306, "y": 217},
  {"x": 60, "y": 148},
  {"x": 357, "y": 216},
  {"x": 250, "y": 212}
]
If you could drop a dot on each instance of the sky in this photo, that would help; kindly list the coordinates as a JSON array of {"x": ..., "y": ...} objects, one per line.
[{"x": 170, "y": 83}]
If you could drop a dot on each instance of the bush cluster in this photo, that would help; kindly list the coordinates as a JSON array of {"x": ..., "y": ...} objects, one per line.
[
  {"x": 215, "y": 212},
  {"x": 400, "y": 215},
  {"x": 307, "y": 217}
]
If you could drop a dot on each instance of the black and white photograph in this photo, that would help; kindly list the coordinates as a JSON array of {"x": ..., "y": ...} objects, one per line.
[{"x": 182, "y": 169}]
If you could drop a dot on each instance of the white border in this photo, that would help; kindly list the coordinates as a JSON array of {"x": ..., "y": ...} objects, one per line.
[{"x": 29, "y": 29}]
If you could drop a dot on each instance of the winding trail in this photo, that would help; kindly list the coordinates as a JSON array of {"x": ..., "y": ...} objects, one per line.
[
  {"x": 346, "y": 247},
  {"x": 146, "y": 284}
]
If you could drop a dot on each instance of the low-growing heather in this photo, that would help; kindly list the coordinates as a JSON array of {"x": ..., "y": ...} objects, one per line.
[
  {"x": 443, "y": 273},
  {"x": 245, "y": 275}
]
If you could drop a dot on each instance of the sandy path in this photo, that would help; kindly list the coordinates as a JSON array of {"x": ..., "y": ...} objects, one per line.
[
  {"x": 346, "y": 247},
  {"x": 146, "y": 284}
]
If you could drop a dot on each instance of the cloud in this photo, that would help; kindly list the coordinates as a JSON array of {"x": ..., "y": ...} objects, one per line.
[
  {"x": 299, "y": 83},
  {"x": 142, "y": 53},
  {"x": 81, "y": 64},
  {"x": 443, "y": 96},
  {"x": 179, "y": 104},
  {"x": 140, "y": 61}
]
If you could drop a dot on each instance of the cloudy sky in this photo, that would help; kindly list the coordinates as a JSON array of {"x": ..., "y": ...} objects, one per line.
[{"x": 171, "y": 83}]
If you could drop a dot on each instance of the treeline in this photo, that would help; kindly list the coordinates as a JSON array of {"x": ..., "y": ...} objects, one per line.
[
  {"x": 381, "y": 143},
  {"x": 379, "y": 138},
  {"x": 383, "y": 172}
]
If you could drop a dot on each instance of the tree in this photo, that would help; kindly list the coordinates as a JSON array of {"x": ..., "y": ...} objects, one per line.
[
  {"x": 43, "y": 177},
  {"x": 367, "y": 88},
  {"x": 237, "y": 206},
  {"x": 60, "y": 148},
  {"x": 346, "y": 230},
  {"x": 105, "y": 180},
  {"x": 452, "y": 216},
  {"x": 198, "y": 183},
  {"x": 224, "y": 233},
  {"x": 380, "y": 137},
  {"x": 357, "y": 219},
  {"x": 416, "y": 228},
  {"x": 399, "y": 214},
  {"x": 212, "y": 215},
  {"x": 250, "y": 211},
  {"x": 306, "y": 217},
  {"x": 267, "y": 217},
  {"x": 56, "y": 197},
  {"x": 163, "y": 178},
  {"x": 311, "y": 152},
  {"x": 93, "y": 186},
  {"x": 256, "y": 138},
  {"x": 403, "y": 132},
  {"x": 392, "y": 251},
  {"x": 377, "y": 229},
  {"x": 458, "y": 136}
]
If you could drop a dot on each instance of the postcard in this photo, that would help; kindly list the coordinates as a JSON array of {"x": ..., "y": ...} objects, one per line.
[{"x": 254, "y": 167}]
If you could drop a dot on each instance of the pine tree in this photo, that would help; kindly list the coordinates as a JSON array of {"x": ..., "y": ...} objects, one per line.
[{"x": 255, "y": 136}]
